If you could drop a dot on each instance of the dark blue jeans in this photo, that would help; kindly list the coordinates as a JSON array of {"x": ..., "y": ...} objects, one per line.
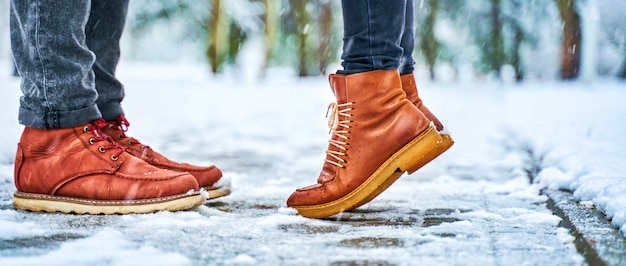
[
  {"x": 66, "y": 52},
  {"x": 378, "y": 35}
]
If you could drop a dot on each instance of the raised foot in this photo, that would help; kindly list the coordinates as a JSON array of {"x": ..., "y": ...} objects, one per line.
[{"x": 421, "y": 150}]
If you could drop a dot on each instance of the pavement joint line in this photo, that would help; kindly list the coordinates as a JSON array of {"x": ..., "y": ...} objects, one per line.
[{"x": 595, "y": 239}]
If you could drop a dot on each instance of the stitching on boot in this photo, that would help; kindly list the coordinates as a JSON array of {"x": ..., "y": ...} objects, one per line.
[{"x": 102, "y": 202}]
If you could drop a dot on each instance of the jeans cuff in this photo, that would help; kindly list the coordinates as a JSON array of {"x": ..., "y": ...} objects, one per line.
[
  {"x": 110, "y": 110},
  {"x": 58, "y": 119}
]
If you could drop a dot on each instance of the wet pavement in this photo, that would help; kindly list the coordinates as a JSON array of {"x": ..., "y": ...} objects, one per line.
[
  {"x": 443, "y": 216},
  {"x": 472, "y": 206}
]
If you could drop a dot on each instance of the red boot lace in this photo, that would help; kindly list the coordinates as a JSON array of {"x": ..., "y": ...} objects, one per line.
[
  {"x": 98, "y": 125},
  {"x": 122, "y": 126}
]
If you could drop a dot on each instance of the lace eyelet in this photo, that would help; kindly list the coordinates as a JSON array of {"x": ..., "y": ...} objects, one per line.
[
  {"x": 85, "y": 129},
  {"x": 114, "y": 158},
  {"x": 111, "y": 126},
  {"x": 101, "y": 149},
  {"x": 92, "y": 141},
  {"x": 130, "y": 142},
  {"x": 119, "y": 136}
]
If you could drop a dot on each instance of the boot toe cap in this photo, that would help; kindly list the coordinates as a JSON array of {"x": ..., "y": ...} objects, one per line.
[{"x": 307, "y": 196}]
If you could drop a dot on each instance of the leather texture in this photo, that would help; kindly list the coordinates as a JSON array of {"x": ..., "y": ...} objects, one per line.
[
  {"x": 383, "y": 121},
  {"x": 410, "y": 88},
  {"x": 80, "y": 162},
  {"x": 206, "y": 176}
]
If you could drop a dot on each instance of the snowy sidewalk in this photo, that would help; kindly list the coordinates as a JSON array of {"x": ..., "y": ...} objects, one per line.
[{"x": 474, "y": 205}]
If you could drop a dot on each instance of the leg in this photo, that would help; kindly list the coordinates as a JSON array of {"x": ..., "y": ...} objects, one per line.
[
  {"x": 377, "y": 134},
  {"x": 64, "y": 163},
  {"x": 103, "y": 32},
  {"x": 408, "y": 41},
  {"x": 407, "y": 67},
  {"x": 372, "y": 33},
  {"x": 48, "y": 45}
]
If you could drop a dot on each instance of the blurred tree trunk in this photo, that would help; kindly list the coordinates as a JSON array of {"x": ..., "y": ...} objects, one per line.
[
  {"x": 270, "y": 20},
  {"x": 571, "y": 39},
  {"x": 622, "y": 74},
  {"x": 516, "y": 58},
  {"x": 301, "y": 19},
  {"x": 236, "y": 37},
  {"x": 496, "y": 49},
  {"x": 217, "y": 35},
  {"x": 519, "y": 36},
  {"x": 429, "y": 45},
  {"x": 325, "y": 22}
]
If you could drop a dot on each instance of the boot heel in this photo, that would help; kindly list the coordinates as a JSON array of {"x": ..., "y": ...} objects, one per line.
[
  {"x": 424, "y": 149},
  {"x": 416, "y": 154}
]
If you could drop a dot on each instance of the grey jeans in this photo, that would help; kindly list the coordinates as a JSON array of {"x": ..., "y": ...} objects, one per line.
[{"x": 66, "y": 52}]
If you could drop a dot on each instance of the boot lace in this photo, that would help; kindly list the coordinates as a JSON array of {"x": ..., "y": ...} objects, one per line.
[
  {"x": 122, "y": 126},
  {"x": 338, "y": 127},
  {"x": 98, "y": 125}
]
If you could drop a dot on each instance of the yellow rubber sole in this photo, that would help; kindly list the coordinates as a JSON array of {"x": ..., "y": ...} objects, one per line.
[
  {"x": 47, "y": 203},
  {"x": 442, "y": 146},
  {"x": 421, "y": 150}
]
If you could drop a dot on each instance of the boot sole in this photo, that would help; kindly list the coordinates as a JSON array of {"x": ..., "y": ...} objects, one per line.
[
  {"x": 47, "y": 203},
  {"x": 220, "y": 189},
  {"x": 217, "y": 193},
  {"x": 421, "y": 150},
  {"x": 444, "y": 145}
]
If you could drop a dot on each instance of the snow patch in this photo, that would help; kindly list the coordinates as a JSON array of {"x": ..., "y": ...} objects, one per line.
[{"x": 105, "y": 247}]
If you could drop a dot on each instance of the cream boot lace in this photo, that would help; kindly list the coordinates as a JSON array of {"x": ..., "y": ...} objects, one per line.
[{"x": 338, "y": 128}]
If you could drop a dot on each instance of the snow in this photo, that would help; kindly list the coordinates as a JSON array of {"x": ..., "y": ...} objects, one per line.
[
  {"x": 119, "y": 251},
  {"x": 269, "y": 138}
]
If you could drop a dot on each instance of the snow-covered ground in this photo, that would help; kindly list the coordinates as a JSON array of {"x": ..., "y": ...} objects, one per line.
[{"x": 473, "y": 205}]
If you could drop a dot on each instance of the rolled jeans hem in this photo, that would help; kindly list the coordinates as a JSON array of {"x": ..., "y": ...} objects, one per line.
[
  {"x": 58, "y": 119},
  {"x": 356, "y": 70},
  {"x": 110, "y": 110}
]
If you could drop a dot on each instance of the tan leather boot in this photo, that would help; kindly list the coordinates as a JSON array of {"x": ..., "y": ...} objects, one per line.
[
  {"x": 410, "y": 88},
  {"x": 81, "y": 170},
  {"x": 377, "y": 135},
  {"x": 208, "y": 177}
]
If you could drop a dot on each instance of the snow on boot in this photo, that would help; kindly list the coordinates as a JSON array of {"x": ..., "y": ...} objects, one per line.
[
  {"x": 410, "y": 88},
  {"x": 208, "y": 177},
  {"x": 81, "y": 170},
  {"x": 377, "y": 134}
]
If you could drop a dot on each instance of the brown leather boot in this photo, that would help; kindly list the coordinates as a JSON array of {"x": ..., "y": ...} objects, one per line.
[
  {"x": 208, "y": 177},
  {"x": 410, "y": 88},
  {"x": 377, "y": 135},
  {"x": 81, "y": 170}
]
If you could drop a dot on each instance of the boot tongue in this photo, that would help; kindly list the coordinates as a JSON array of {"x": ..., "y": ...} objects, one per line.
[
  {"x": 338, "y": 86},
  {"x": 328, "y": 173}
]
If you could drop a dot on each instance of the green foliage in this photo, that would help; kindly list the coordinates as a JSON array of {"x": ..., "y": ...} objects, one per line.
[
  {"x": 306, "y": 35},
  {"x": 293, "y": 33},
  {"x": 428, "y": 43}
]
